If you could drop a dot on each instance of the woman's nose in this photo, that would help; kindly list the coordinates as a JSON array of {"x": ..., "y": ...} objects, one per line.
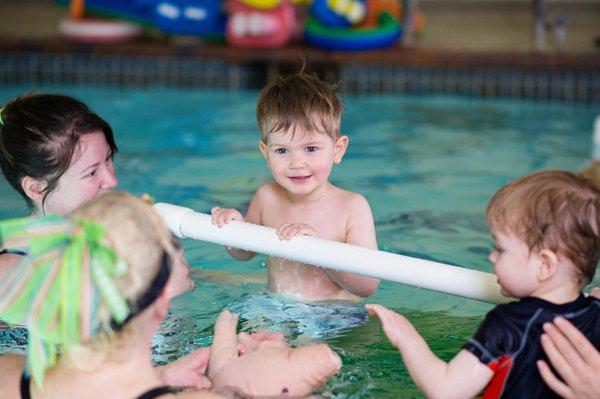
[{"x": 109, "y": 180}]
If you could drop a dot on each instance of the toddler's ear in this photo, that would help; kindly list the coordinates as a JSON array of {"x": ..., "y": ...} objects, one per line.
[
  {"x": 263, "y": 149},
  {"x": 341, "y": 145},
  {"x": 548, "y": 264}
]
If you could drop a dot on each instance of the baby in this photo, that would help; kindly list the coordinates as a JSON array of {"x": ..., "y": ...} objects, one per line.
[
  {"x": 546, "y": 227},
  {"x": 299, "y": 119}
]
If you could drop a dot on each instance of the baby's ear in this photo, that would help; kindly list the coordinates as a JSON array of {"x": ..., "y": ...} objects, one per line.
[
  {"x": 547, "y": 266},
  {"x": 341, "y": 144}
]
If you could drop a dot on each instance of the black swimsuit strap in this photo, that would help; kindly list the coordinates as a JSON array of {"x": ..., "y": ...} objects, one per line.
[
  {"x": 156, "y": 392},
  {"x": 151, "y": 394},
  {"x": 25, "y": 394}
]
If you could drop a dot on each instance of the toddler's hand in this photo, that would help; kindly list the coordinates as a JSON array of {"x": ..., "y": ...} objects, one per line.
[
  {"x": 391, "y": 322},
  {"x": 222, "y": 216},
  {"x": 287, "y": 231}
]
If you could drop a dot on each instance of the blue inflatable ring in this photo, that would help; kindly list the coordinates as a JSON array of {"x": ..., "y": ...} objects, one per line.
[{"x": 328, "y": 38}]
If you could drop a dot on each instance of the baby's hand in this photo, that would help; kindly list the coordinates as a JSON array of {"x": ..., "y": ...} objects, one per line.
[
  {"x": 222, "y": 216},
  {"x": 392, "y": 323},
  {"x": 287, "y": 231}
]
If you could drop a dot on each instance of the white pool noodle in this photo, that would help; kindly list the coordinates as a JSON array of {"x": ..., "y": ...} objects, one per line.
[
  {"x": 186, "y": 223},
  {"x": 596, "y": 140}
]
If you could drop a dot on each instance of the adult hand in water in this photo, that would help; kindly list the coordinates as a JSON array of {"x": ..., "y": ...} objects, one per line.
[
  {"x": 187, "y": 371},
  {"x": 264, "y": 365}
]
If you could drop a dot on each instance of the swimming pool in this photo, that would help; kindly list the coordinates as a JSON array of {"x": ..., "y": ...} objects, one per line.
[{"x": 427, "y": 164}]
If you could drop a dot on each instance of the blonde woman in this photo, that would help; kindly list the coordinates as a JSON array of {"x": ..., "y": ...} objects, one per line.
[{"x": 94, "y": 288}]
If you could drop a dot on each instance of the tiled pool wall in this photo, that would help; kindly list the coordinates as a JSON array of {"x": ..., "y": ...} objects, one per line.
[{"x": 546, "y": 83}]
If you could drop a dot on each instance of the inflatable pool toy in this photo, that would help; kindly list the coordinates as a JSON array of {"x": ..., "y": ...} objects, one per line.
[
  {"x": 184, "y": 222},
  {"x": 377, "y": 7},
  {"x": 261, "y": 4},
  {"x": 180, "y": 17},
  {"x": 189, "y": 17},
  {"x": 98, "y": 31},
  {"x": 251, "y": 28},
  {"x": 384, "y": 35},
  {"x": 338, "y": 13}
]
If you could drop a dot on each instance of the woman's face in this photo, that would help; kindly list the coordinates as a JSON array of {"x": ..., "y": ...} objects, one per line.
[
  {"x": 179, "y": 281},
  {"x": 91, "y": 173}
]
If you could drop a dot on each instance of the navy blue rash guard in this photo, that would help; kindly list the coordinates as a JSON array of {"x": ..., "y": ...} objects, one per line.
[{"x": 508, "y": 342}]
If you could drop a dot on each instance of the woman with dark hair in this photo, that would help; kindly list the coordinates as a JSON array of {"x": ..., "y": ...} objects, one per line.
[{"x": 58, "y": 154}]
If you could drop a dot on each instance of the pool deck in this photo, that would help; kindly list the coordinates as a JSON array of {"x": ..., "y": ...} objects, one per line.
[{"x": 487, "y": 36}]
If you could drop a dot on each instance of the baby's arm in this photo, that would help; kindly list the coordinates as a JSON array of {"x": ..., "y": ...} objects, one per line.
[
  {"x": 360, "y": 231},
  {"x": 463, "y": 377},
  {"x": 222, "y": 216}
]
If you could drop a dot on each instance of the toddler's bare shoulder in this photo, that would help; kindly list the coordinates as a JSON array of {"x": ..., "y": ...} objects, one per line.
[
  {"x": 267, "y": 193},
  {"x": 353, "y": 200}
]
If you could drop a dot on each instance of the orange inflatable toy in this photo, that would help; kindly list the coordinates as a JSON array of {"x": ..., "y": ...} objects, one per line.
[{"x": 375, "y": 8}]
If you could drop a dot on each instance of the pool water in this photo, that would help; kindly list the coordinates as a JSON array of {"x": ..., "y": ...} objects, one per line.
[{"x": 427, "y": 164}]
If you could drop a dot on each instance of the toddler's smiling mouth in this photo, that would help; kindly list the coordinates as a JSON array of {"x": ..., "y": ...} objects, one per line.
[{"x": 299, "y": 179}]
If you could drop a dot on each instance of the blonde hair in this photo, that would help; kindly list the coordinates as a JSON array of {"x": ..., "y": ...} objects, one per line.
[
  {"x": 138, "y": 235},
  {"x": 554, "y": 210},
  {"x": 299, "y": 102}
]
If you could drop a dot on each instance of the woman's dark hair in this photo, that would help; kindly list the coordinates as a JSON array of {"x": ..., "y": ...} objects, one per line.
[{"x": 38, "y": 137}]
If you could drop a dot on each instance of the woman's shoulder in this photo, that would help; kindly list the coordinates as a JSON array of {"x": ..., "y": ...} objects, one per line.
[
  {"x": 7, "y": 261},
  {"x": 199, "y": 395},
  {"x": 11, "y": 368}
]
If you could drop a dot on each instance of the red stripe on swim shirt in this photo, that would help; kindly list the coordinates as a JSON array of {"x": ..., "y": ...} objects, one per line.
[{"x": 501, "y": 369}]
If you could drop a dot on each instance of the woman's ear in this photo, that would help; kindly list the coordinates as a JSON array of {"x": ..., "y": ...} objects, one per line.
[
  {"x": 33, "y": 188},
  {"x": 548, "y": 264},
  {"x": 341, "y": 145}
]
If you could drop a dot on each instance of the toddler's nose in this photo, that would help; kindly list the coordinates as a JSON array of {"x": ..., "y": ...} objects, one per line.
[{"x": 297, "y": 162}]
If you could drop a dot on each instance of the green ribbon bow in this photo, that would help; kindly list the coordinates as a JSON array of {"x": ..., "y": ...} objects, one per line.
[{"x": 56, "y": 289}]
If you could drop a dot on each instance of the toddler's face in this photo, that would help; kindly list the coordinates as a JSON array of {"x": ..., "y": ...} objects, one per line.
[
  {"x": 301, "y": 162},
  {"x": 514, "y": 265}
]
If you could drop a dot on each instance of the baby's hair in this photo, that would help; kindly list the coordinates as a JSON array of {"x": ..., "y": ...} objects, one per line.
[
  {"x": 555, "y": 210},
  {"x": 299, "y": 102}
]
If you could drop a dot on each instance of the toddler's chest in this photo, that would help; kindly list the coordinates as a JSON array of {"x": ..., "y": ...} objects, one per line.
[{"x": 328, "y": 223}]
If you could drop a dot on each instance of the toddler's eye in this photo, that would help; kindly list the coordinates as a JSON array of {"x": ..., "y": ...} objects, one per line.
[
  {"x": 280, "y": 151},
  {"x": 91, "y": 174},
  {"x": 312, "y": 148},
  {"x": 497, "y": 248}
]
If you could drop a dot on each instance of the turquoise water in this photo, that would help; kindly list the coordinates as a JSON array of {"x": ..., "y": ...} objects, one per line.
[{"x": 427, "y": 164}]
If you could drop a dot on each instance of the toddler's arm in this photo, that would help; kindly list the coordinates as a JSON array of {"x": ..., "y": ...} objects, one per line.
[
  {"x": 222, "y": 216},
  {"x": 360, "y": 231},
  {"x": 463, "y": 377}
]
